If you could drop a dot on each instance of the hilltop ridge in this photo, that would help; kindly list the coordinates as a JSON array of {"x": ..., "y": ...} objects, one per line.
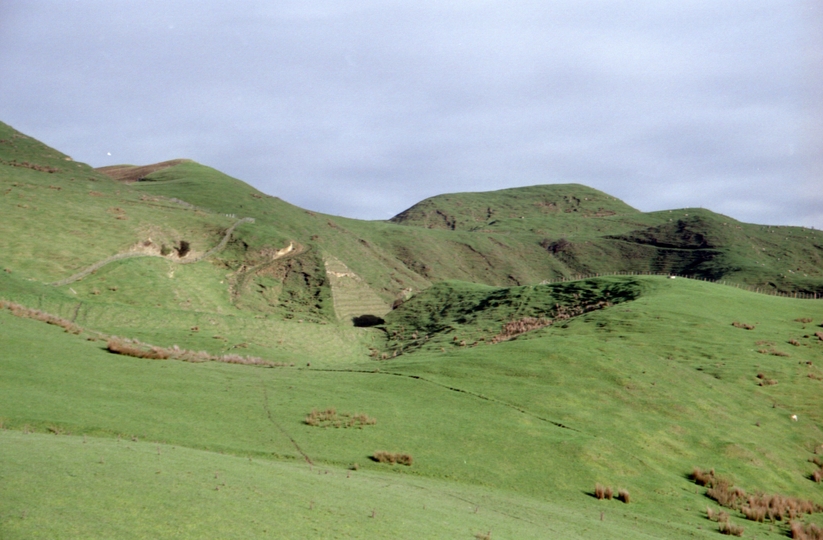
[
  {"x": 485, "y": 209},
  {"x": 135, "y": 173}
]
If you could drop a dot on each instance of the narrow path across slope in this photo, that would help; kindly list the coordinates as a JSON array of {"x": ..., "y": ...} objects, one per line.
[
  {"x": 120, "y": 256},
  {"x": 459, "y": 390},
  {"x": 280, "y": 428}
]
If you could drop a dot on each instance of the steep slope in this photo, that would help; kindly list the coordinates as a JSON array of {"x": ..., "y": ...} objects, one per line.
[{"x": 60, "y": 216}]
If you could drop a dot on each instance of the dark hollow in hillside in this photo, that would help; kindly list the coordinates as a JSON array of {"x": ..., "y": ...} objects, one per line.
[{"x": 366, "y": 321}]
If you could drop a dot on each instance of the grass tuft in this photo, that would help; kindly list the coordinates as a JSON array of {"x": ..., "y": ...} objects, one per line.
[
  {"x": 27, "y": 313},
  {"x": 136, "y": 349},
  {"x": 515, "y": 328},
  {"x": 623, "y": 496},
  {"x": 765, "y": 381},
  {"x": 392, "y": 458},
  {"x": 774, "y": 352},
  {"x": 808, "y": 532},
  {"x": 603, "y": 492},
  {"x": 744, "y": 326},
  {"x": 331, "y": 418},
  {"x": 756, "y": 507},
  {"x": 729, "y": 528},
  {"x": 703, "y": 478}
]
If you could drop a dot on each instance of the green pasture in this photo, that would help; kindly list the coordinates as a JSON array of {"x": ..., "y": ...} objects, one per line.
[
  {"x": 530, "y": 424},
  {"x": 636, "y": 380}
]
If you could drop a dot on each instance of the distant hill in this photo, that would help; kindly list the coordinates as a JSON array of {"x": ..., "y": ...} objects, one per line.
[
  {"x": 73, "y": 216},
  {"x": 474, "y": 211}
]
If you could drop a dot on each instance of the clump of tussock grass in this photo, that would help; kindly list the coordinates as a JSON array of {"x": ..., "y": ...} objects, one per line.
[
  {"x": 774, "y": 352},
  {"x": 331, "y": 418},
  {"x": 744, "y": 326},
  {"x": 518, "y": 327},
  {"x": 515, "y": 328},
  {"x": 765, "y": 381},
  {"x": 754, "y": 513},
  {"x": 128, "y": 347},
  {"x": 804, "y": 320},
  {"x": 624, "y": 496},
  {"x": 727, "y": 527},
  {"x": 716, "y": 516},
  {"x": 703, "y": 478},
  {"x": 757, "y": 507},
  {"x": 603, "y": 492},
  {"x": 808, "y": 532},
  {"x": 27, "y": 313},
  {"x": 393, "y": 457},
  {"x": 600, "y": 491},
  {"x": 136, "y": 349},
  {"x": 723, "y": 523},
  {"x": 725, "y": 494},
  {"x": 32, "y": 166}
]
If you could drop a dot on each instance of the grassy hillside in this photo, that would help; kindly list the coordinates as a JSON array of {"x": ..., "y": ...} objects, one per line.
[
  {"x": 514, "y": 237},
  {"x": 499, "y": 209},
  {"x": 515, "y": 387},
  {"x": 632, "y": 395}
]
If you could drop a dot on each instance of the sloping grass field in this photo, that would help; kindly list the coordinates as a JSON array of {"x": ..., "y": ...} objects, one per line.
[
  {"x": 503, "y": 395},
  {"x": 509, "y": 438}
]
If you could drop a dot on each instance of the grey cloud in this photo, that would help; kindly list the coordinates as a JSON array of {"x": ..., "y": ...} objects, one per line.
[{"x": 363, "y": 108}]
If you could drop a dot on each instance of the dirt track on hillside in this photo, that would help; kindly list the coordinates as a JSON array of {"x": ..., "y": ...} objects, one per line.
[{"x": 130, "y": 255}]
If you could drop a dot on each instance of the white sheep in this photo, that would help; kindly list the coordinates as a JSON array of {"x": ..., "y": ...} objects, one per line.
[{"x": 794, "y": 418}]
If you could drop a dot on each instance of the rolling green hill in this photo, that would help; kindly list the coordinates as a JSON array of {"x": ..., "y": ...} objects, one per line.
[
  {"x": 474, "y": 211},
  {"x": 517, "y": 345}
]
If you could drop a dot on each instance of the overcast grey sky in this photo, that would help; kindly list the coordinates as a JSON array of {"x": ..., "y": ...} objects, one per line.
[{"x": 362, "y": 108}]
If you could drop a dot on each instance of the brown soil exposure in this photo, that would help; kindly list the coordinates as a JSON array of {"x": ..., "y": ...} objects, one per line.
[{"x": 134, "y": 173}]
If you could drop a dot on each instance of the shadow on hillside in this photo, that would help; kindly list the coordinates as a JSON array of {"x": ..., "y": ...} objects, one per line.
[{"x": 366, "y": 321}]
